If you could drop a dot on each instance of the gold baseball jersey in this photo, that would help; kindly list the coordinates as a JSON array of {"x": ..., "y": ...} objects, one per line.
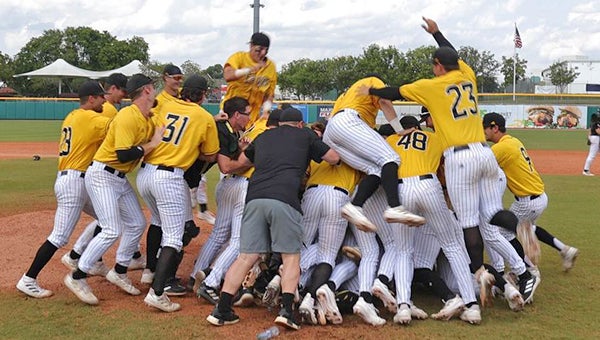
[
  {"x": 251, "y": 133},
  {"x": 82, "y": 133},
  {"x": 420, "y": 151},
  {"x": 189, "y": 131},
  {"x": 254, "y": 87},
  {"x": 109, "y": 110},
  {"x": 342, "y": 176},
  {"x": 522, "y": 178},
  {"x": 366, "y": 106},
  {"x": 129, "y": 128},
  {"x": 452, "y": 103},
  {"x": 162, "y": 98}
]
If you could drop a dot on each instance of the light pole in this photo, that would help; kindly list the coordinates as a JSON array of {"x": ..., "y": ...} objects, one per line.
[{"x": 256, "y": 5}]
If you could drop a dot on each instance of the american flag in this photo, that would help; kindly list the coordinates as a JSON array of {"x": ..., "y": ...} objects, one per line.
[{"x": 517, "y": 39}]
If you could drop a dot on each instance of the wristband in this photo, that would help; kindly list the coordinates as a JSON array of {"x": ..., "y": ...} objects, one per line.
[
  {"x": 395, "y": 123},
  {"x": 241, "y": 72}
]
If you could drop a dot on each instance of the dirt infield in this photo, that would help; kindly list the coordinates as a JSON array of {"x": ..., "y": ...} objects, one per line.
[{"x": 21, "y": 234}]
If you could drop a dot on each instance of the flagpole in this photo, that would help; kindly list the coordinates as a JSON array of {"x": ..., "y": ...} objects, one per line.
[{"x": 514, "y": 66}]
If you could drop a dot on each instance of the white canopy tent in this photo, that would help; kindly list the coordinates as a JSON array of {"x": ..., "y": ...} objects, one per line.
[{"x": 62, "y": 69}]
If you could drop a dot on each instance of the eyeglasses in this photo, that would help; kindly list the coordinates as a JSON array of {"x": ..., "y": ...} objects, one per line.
[
  {"x": 175, "y": 77},
  {"x": 244, "y": 113}
]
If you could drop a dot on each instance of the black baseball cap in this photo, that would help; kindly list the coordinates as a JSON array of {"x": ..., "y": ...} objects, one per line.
[
  {"x": 408, "y": 122},
  {"x": 172, "y": 70},
  {"x": 386, "y": 130},
  {"x": 117, "y": 79},
  {"x": 91, "y": 88},
  {"x": 446, "y": 56},
  {"x": 260, "y": 39},
  {"x": 291, "y": 115},
  {"x": 195, "y": 81},
  {"x": 274, "y": 116},
  {"x": 424, "y": 114},
  {"x": 136, "y": 81},
  {"x": 493, "y": 119}
]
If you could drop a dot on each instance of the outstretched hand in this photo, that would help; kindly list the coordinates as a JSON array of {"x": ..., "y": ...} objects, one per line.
[{"x": 430, "y": 26}]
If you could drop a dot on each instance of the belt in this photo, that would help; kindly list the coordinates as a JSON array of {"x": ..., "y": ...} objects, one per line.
[
  {"x": 421, "y": 178},
  {"x": 114, "y": 171},
  {"x": 532, "y": 197},
  {"x": 64, "y": 172},
  {"x": 334, "y": 188},
  {"x": 161, "y": 167},
  {"x": 238, "y": 176},
  {"x": 466, "y": 146}
]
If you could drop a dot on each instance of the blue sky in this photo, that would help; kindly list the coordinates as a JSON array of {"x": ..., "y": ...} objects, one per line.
[{"x": 208, "y": 31}]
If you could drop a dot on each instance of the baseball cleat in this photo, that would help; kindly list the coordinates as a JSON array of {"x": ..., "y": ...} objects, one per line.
[
  {"x": 161, "y": 302},
  {"x": 198, "y": 279},
  {"x": 81, "y": 289},
  {"x": 173, "y": 287},
  {"x": 147, "y": 277},
  {"x": 417, "y": 313},
  {"x": 122, "y": 281},
  {"x": 307, "y": 310},
  {"x": 471, "y": 315},
  {"x": 98, "y": 269},
  {"x": 320, "y": 313},
  {"x": 527, "y": 288},
  {"x": 355, "y": 215},
  {"x": 569, "y": 255},
  {"x": 208, "y": 293},
  {"x": 381, "y": 291},
  {"x": 137, "y": 264},
  {"x": 30, "y": 287},
  {"x": 206, "y": 216},
  {"x": 353, "y": 253},
  {"x": 486, "y": 282},
  {"x": 404, "y": 315},
  {"x": 400, "y": 215},
  {"x": 327, "y": 300},
  {"x": 587, "y": 173},
  {"x": 513, "y": 297},
  {"x": 69, "y": 262},
  {"x": 287, "y": 320},
  {"x": 245, "y": 298},
  {"x": 367, "y": 312},
  {"x": 271, "y": 295},
  {"x": 451, "y": 308},
  {"x": 217, "y": 318}
]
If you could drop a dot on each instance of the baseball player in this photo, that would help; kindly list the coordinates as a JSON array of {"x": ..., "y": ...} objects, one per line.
[
  {"x": 190, "y": 133},
  {"x": 352, "y": 119},
  {"x": 328, "y": 189},
  {"x": 231, "y": 197},
  {"x": 131, "y": 134},
  {"x": 524, "y": 182},
  {"x": 593, "y": 142},
  {"x": 253, "y": 76},
  {"x": 470, "y": 166},
  {"x": 82, "y": 131},
  {"x": 115, "y": 92}
]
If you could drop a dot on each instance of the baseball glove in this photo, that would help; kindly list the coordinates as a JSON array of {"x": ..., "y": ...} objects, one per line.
[
  {"x": 345, "y": 300},
  {"x": 530, "y": 242}
]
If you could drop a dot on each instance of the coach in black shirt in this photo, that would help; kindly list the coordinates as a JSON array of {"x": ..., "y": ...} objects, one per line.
[{"x": 272, "y": 220}]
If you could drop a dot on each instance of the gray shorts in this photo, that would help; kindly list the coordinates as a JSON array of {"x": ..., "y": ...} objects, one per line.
[{"x": 270, "y": 225}]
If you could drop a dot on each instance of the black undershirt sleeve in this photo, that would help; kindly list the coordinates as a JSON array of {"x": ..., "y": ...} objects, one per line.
[
  {"x": 391, "y": 93},
  {"x": 130, "y": 154},
  {"x": 441, "y": 40}
]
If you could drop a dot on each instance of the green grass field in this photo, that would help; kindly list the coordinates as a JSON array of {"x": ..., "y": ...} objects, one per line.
[{"x": 565, "y": 305}]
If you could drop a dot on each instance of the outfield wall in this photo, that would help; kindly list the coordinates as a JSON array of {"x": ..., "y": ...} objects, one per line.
[{"x": 517, "y": 115}]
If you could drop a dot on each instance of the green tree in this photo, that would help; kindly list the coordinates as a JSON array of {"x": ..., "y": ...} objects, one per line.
[
  {"x": 484, "y": 65},
  {"x": 507, "y": 70},
  {"x": 416, "y": 65},
  {"x": 381, "y": 61},
  {"x": 304, "y": 78},
  {"x": 6, "y": 69},
  {"x": 81, "y": 46},
  {"x": 561, "y": 75},
  {"x": 190, "y": 67},
  {"x": 341, "y": 72},
  {"x": 215, "y": 71}
]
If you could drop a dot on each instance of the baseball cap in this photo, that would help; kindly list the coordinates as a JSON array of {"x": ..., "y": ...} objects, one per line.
[
  {"x": 260, "y": 39},
  {"x": 446, "y": 56},
  {"x": 195, "y": 81},
  {"x": 171, "y": 70},
  {"x": 136, "y": 81},
  {"x": 291, "y": 115},
  {"x": 408, "y": 122},
  {"x": 492, "y": 119},
  {"x": 424, "y": 114},
  {"x": 117, "y": 79},
  {"x": 274, "y": 116},
  {"x": 91, "y": 88}
]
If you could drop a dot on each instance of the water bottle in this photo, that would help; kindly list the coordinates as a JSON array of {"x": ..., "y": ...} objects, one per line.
[{"x": 268, "y": 334}]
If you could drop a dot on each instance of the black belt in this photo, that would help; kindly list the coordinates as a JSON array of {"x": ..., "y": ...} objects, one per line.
[
  {"x": 114, "y": 171},
  {"x": 421, "y": 178},
  {"x": 238, "y": 176},
  {"x": 532, "y": 197},
  {"x": 64, "y": 172},
  {"x": 466, "y": 146},
  {"x": 161, "y": 167},
  {"x": 334, "y": 188}
]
